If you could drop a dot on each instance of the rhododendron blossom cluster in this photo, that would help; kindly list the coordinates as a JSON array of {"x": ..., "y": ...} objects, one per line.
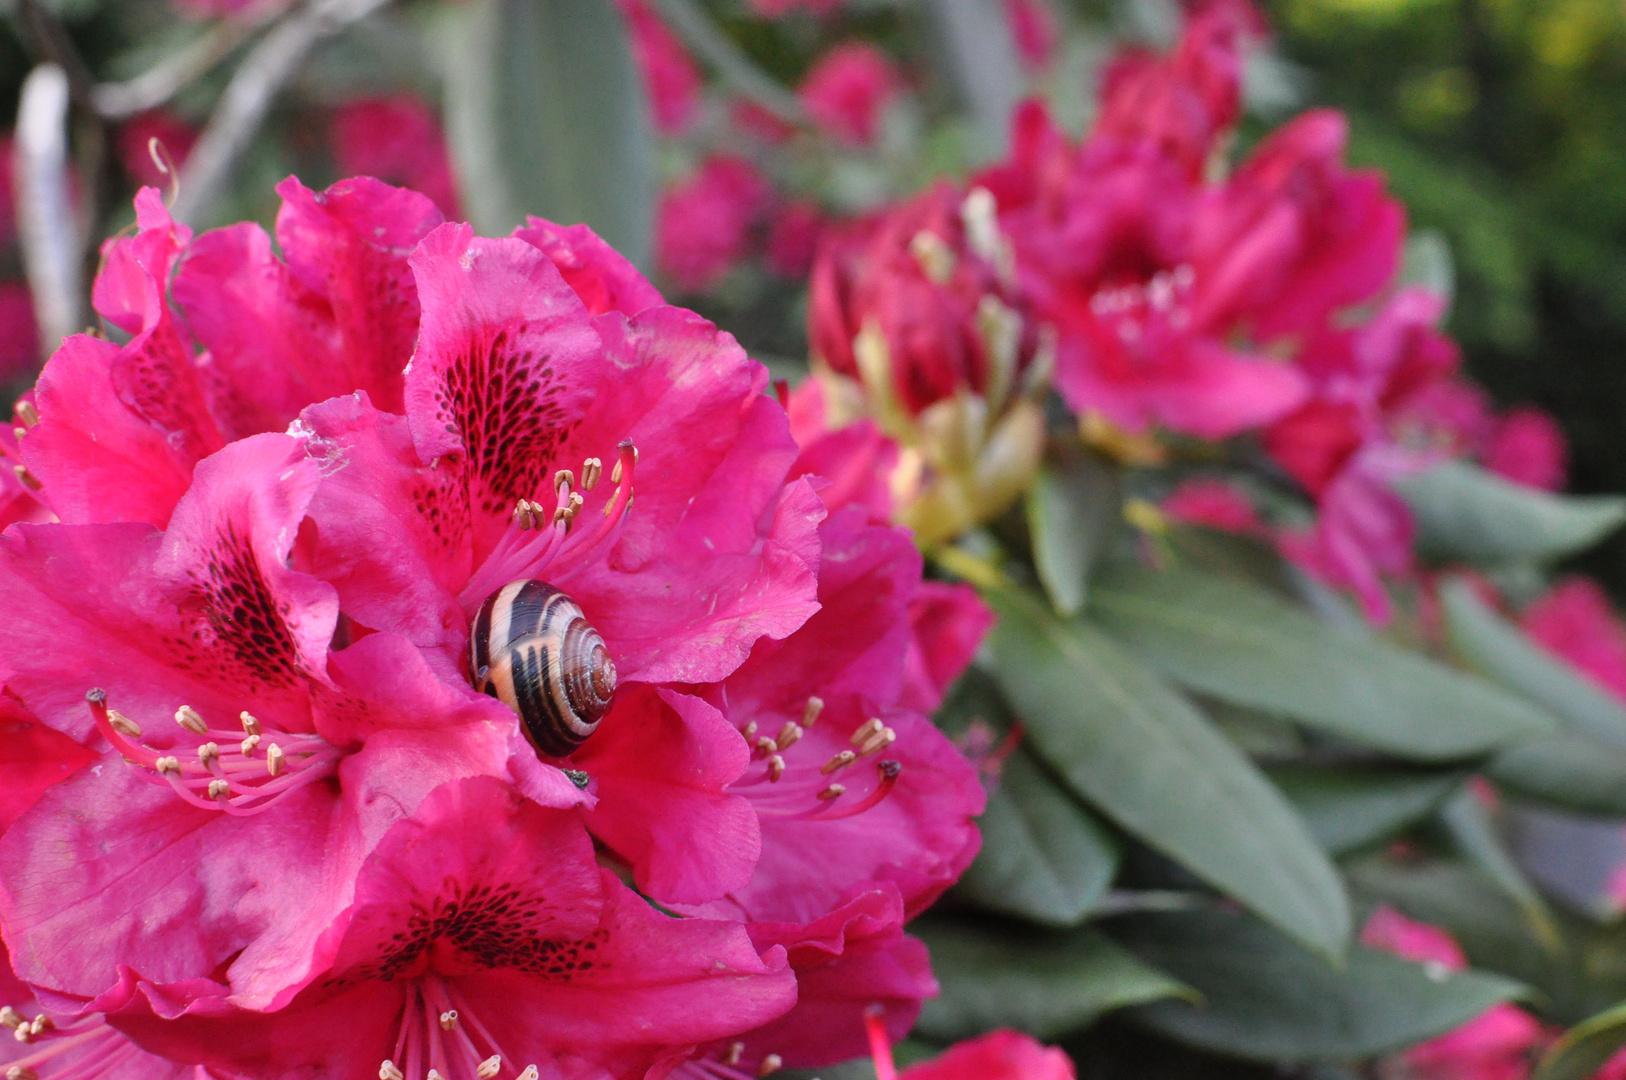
[{"x": 265, "y": 523}]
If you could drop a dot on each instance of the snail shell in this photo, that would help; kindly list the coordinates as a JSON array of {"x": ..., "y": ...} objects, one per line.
[{"x": 532, "y": 649}]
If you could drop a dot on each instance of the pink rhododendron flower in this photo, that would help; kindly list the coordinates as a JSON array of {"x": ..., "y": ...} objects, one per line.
[
  {"x": 19, "y": 335},
  {"x": 483, "y": 929},
  {"x": 671, "y": 78},
  {"x": 702, "y": 225},
  {"x": 1214, "y": 503},
  {"x": 1363, "y": 532},
  {"x": 398, "y": 140},
  {"x": 32, "y": 758},
  {"x": 1576, "y": 622},
  {"x": 1496, "y": 1045},
  {"x": 793, "y": 238},
  {"x": 1033, "y": 26},
  {"x": 846, "y": 90},
  {"x": 134, "y": 145},
  {"x": 1528, "y": 448},
  {"x": 998, "y": 1055}
]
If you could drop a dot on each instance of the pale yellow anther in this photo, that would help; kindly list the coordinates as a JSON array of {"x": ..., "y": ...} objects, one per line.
[
  {"x": 770, "y": 1065},
  {"x": 250, "y": 725},
  {"x": 563, "y": 478},
  {"x": 867, "y": 731},
  {"x": 810, "y": 713},
  {"x": 41, "y": 1024},
  {"x": 21, "y": 1072},
  {"x": 788, "y": 735},
  {"x": 878, "y": 742},
  {"x": 635, "y": 455},
  {"x": 833, "y": 792},
  {"x": 27, "y": 414},
  {"x": 839, "y": 761},
  {"x": 219, "y": 789},
  {"x": 188, "y": 718},
  {"x": 11, "y": 1018},
  {"x": 615, "y": 473},
  {"x": 488, "y": 1068},
  {"x": 123, "y": 724},
  {"x": 530, "y": 1073},
  {"x": 765, "y": 746},
  {"x": 735, "y": 1052},
  {"x": 273, "y": 759},
  {"x": 750, "y": 731},
  {"x": 434, "y": 1074},
  {"x": 592, "y": 468},
  {"x": 776, "y": 768},
  {"x": 208, "y": 752},
  {"x": 28, "y": 479},
  {"x": 23, "y": 1035},
  {"x": 388, "y": 1071},
  {"x": 167, "y": 765},
  {"x": 19, "y": 432},
  {"x": 448, "y": 1020},
  {"x": 249, "y": 744}
]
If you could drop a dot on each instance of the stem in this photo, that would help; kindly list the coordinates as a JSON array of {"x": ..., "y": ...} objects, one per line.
[
  {"x": 45, "y": 220},
  {"x": 243, "y": 107},
  {"x": 161, "y": 82},
  {"x": 729, "y": 62}
]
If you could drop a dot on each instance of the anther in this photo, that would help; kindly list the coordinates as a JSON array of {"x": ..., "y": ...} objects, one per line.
[
  {"x": 770, "y": 1065},
  {"x": 615, "y": 474},
  {"x": 878, "y": 741},
  {"x": 810, "y": 714},
  {"x": 29, "y": 480},
  {"x": 249, "y": 744},
  {"x": 788, "y": 735},
  {"x": 250, "y": 725},
  {"x": 11, "y": 1018},
  {"x": 21, "y": 1072},
  {"x": 750, "y": 731},
  {"x": 488, "y": 1068},
  {"x": 765, "y": 746},
  {"x": 208, "y": 752},
  {"x": 434, "y": 1074},
  {"x": 530, "y": 1073},
  {"x": 273, "y": 759},
  {"x": 27, "y": 414},
  {"x": 833, "y": 792},
  {"x": 869, "y": 729},
  {"x": 123, "y": 724},
  {"x": 188, "y": 718},
  {"x": 448, "y": 1020},
  {"x": 562, "y": 479},
  {"x": 41, "y": 1024},
  {"x": 735, "y": 1052},
  {"x": 838, "y": 761},
  {"x": 219, "y": 789},
  {"x": 388, "y": 1071},
  {"x": 776, "y": 768},
  {"x": 167, "y": 765},
  {"x": 591, "y": 468}
]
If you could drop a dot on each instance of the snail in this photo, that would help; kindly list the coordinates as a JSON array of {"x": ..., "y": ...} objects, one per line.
[{"x": 533, "y": 650}]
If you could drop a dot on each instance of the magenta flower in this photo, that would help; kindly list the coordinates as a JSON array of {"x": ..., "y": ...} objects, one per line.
[
  {"x": 998, "y": 1055},
  {"x": 483, "y": 939},
  {"x": 774, "y": 9},
  {"x": 32, "y": 758},
  {"x": 396, "y": 139},
  {"x": 846, "y": 90},
  {"x": 702, "y": 224},
  {"x": 793, "y": 238},
  {"x": 1528, "y": 448},
  {"x": 671, "y": 78},
  {"x": 1575, "y": 621},
  {"x": 1033, "y": 26},
  {"x": 1215, "y": 504},
  {"x": 19, "y": 335}
]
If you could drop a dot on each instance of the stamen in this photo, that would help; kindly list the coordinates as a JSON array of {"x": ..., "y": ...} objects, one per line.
[
  {"x": 788, "y": 735},
  {"x": 219, "y": 789},
  {"x": 563, "y": 480},
  {"x": 878, "y": 741},
  {"x": 764, "y": 747},
  {"x": 839, "y": 761},
  {"x": 488, "y": 1068},
  {"x": 750, "y": 731},
  {"x": 208, "y": 752},
  {"x": 735, "y": 1052},
  {"x": 880, "y": 1047},
  {"x": 448, "y": 1020},
  {"x": 868, "y": 730},
  {"x": 770, "y": 1065},
  {"x": 591, "y": 469},
  {"x": 776, "y": 768},
  {"x": 167, "y": 765},
  {"x": 249, "y": 744},
  {"x": 273, "y": 759},
  {"x": 388, "y": 1071},
  {"x": 11, "y": 1018},
  {"x": 29, "y": 480},
  {"x": 123, "y": 724},
  {"x": 251, "y": 726},
  {"x": 27, "y": 414},
  {"x": 810, "y": 713},
  {"x": 188, "y": 718}
]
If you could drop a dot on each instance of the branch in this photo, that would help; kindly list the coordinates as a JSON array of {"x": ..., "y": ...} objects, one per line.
[
  {"x": 729, "y": 62},
  {"x": 242, "y": 108},
  {"x": 45, "y": 220},
  {"x": 160, "y": 83}
]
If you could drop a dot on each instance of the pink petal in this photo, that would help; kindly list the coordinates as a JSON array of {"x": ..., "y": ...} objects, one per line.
[
  {"x": 949, "y": 623},
  {"x": 601, "y": 276},
  {"x": 999, "y": 1055},
  {"x": 32, "y": 758}
]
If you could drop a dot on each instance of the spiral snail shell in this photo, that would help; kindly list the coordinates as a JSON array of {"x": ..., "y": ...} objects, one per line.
[{"x": 532, "y": 649}]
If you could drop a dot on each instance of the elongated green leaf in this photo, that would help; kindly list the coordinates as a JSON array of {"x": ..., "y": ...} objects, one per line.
[
  {"x": 1042, "y": 982},
  {"x": 1043, "y": 856},
  {"x": 1476, "y": 837},
  {"x": 1266, "y": 999},
  {"x": 1572, "y": 771},
  {"x": 1239, "y": 643},
  {"x": 1503, "y": 653},
  {"x": 1073, "y": 510},
  {"x": 1585, "y": 1047},
  {"x": 1350, "y": 808},
  {"x": 546, "y": 115},
  {"x": 1148, "y": 759},
  {"x": 1466, "y": 513}
]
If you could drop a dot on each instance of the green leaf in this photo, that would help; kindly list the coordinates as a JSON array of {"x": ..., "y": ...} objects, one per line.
[
  {"x": 1348, "y": 809},
  {"x": 1233, "y": 641},
  {"x": 546, "y": 115},
  {"x": 1465, "y": 513},
  {"x": 1502, "y": 652},
  {"x": 1073, "y": 511},
  {"x": 1476, "y": 837},
  {"x": 1584, "y": 1047},
  {"x": 1265, "y": 999},
  {"x": 1043, "y": 856},
  {"x": 1571, "y": 771},
  {"x": 1146, "y": 757},
  {"x": 1044, "y": 983}
]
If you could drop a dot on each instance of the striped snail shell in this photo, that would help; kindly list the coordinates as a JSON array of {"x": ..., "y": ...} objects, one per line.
[{"x": 532, "y": 649}]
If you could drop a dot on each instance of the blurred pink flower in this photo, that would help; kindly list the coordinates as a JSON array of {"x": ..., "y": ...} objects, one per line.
[
  {"x": 1528, "y": 448},
  {"x": 222, "y": 8},
  {"x": 19, "y": 335},
  {"x": 671, "y": 77},
  {"x": 999, "y": 1055},
  {"x": 846, "y": 90},
  {"x": 773, "y": 9},
  {"x": 1576, "y": 622},
  {"x": 793, "y": 238},
  {"x": 1033, "y": 26},
  {"x": 134, "y": 145},
  {"x": 1215, "y": 504},
  {"x": 1363, "y": 533},
  {"x": 702, "y": 225},
  {"x": 396, "y": 139}
]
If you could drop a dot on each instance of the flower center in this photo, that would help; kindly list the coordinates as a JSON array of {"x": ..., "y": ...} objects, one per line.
[
  {"x": 1142, "y": 316},
  {"x": 81, "y": 1049},
  {"x": 240, "y": 772},
  {"x": 439, "y": 1038},
  {"x": 540, "y": 542},
  {"x": 800, "y": 787}
]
